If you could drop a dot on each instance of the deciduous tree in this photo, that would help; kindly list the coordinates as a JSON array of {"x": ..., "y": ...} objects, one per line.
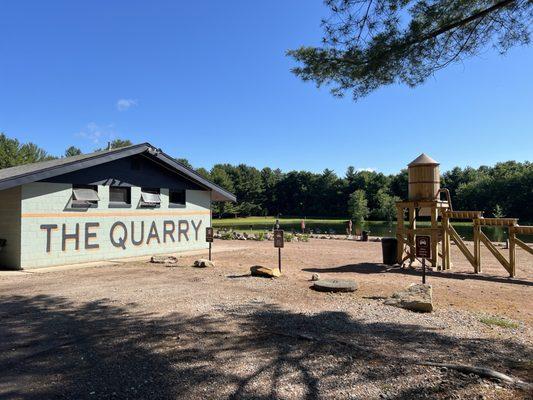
[{"x": 358, "y": 207}]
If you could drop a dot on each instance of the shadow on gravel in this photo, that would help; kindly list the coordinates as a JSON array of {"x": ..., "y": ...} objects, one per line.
[
  {"x": 248, "y": 275},
  {"x": 52, "y": 348},
  {"x": 374, "y": 268}
]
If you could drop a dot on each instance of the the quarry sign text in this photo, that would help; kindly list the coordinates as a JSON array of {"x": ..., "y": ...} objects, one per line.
[{"x": 121, "y": 234}]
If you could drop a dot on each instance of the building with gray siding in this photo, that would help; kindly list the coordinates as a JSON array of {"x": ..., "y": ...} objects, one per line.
[{"x": 126, "y": 202}]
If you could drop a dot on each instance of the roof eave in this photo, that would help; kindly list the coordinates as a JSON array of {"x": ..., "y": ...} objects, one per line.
[
  {"x": 71, "y": 167},
  {"x": 218, "y": 193}
]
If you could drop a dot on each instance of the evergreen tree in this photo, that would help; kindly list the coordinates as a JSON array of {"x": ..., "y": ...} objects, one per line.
[
  {"x": 72, "y": 151},
  {"x": 116, "y": 144},
  {"x": 368, "y": 44},
  {"x": 13, "y": 153},
  {"x": 184, "y": 161}
]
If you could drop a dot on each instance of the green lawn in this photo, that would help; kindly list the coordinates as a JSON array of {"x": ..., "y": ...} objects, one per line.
[
  {"x": 271, "y": 220},
  {"x": 222, "y": 222}
]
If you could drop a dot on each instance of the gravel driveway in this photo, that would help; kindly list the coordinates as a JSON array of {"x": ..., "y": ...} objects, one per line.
[{"x": 144, "y": 331}]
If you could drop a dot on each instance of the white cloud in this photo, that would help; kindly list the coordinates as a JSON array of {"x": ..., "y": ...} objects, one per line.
[
  {"x": 366, "y": 169},
  {"x": 126, "y": 104},
  {"x": 96, "y": 133}
]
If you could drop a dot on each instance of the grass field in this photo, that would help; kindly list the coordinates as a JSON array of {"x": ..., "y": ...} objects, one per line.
[
  {"x": 338, "y": 225},
  {"x": 226, "y": 222},
  {"x": 271, "y": 220}
]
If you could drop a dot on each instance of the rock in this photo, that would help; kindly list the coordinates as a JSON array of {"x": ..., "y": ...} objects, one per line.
[
  {"x": 164, "y": 260},
  {"x": 417, "y": 297},
  {"x": 315, "y": 277},
  {"x": 203, "y": 263},
  {"x": 265, "y": 272},
  {"x": 414, "y": 264},
  {"x": 334, "y": 285}
]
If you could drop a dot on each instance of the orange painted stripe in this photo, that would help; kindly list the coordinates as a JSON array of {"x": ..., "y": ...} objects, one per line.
[{"x": 67, "y": 214}]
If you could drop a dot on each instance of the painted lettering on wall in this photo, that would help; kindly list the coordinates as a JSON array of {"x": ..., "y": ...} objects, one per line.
[{"x": 123, "y": 235}]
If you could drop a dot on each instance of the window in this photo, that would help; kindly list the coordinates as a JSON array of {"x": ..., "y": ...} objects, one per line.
[
  {"x": 119, "y": 196},
  {"x": 150, "y": 197},
  {"x": 84, "y": 196},
  {"x": 176, "y": 198}
]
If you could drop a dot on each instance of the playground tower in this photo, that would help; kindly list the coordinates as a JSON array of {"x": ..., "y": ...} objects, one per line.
[{"x": 427, "y": 198}]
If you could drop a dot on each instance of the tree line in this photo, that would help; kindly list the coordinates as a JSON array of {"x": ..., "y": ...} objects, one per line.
[{"x": 505, "y": 189}]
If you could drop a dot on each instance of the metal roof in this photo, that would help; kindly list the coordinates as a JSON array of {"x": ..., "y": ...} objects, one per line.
[
  {"x": 19, "y": 175},
  {"x": 422, "y": 159}
]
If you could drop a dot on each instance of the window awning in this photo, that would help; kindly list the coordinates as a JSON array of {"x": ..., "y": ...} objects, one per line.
[
  {"x": 151, "y": 198},
  {"x": 85, "y": 194}
]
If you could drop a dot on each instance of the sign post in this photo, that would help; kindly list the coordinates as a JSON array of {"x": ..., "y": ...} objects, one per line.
[
  {"x": 209, "y": 238},
  {"x": 278, "y": 243},
  {"x": 423, "y": 250}
]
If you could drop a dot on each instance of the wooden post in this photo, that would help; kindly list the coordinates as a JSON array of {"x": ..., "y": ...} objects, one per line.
[
  {"x": 434, "y": 238},
  {"x": 279, "y": 259},
  {"x": 445, "y": 243},
  {"x": 411, "y": 235},
  {"x": 399, "y": 233},
  {"x": 448, "y": 247},
  {"x": 512, "y": 251},
  {"x": 477, "y": 248}
]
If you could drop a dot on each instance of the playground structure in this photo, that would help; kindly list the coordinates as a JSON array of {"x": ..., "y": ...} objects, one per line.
[{"x": 425, "y": 199}]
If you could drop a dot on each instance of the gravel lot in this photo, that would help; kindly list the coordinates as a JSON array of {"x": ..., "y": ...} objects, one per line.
[{"x": 137, "y": 330}]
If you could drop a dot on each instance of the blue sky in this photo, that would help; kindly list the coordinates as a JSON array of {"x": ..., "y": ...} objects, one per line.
[{"x": 209, "y": 81}]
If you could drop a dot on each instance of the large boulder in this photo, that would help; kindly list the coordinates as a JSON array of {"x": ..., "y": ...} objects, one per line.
[
  {"x": 265, "y": 272},
  {"x": 164, "y": 260},
  {"x": 203, "y": 263},
  {"x": 417, "y": 297},
  {"x": 334, "y": 285}
]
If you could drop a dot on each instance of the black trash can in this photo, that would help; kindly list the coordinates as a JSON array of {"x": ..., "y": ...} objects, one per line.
[
  {"x": 364, "y": 236},
  {"x": 389, "y": 248}
]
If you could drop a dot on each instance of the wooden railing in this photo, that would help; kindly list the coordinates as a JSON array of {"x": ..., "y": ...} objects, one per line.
[
  {"x": 479, "y": 237},
  {"x": 443, "y": 233}
]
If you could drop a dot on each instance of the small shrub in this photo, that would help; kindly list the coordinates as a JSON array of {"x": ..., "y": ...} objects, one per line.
[
  {"x": 503, "y": 323},
  {"x": 303, "y": 237},
  {"x": 260, "y": 236},
  {"x": 226, "y": 236},
  {"x": 288, "y": 237}
]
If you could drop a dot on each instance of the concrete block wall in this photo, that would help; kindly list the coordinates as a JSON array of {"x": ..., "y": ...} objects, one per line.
[
  {"x": 10, "y": 227},
  {"x": 54, "y": 234}
]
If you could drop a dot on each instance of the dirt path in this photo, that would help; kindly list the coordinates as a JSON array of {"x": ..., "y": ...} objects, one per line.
[
  {"x": 490, "y": 292},
  {"x": 139, "y": 330}
]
